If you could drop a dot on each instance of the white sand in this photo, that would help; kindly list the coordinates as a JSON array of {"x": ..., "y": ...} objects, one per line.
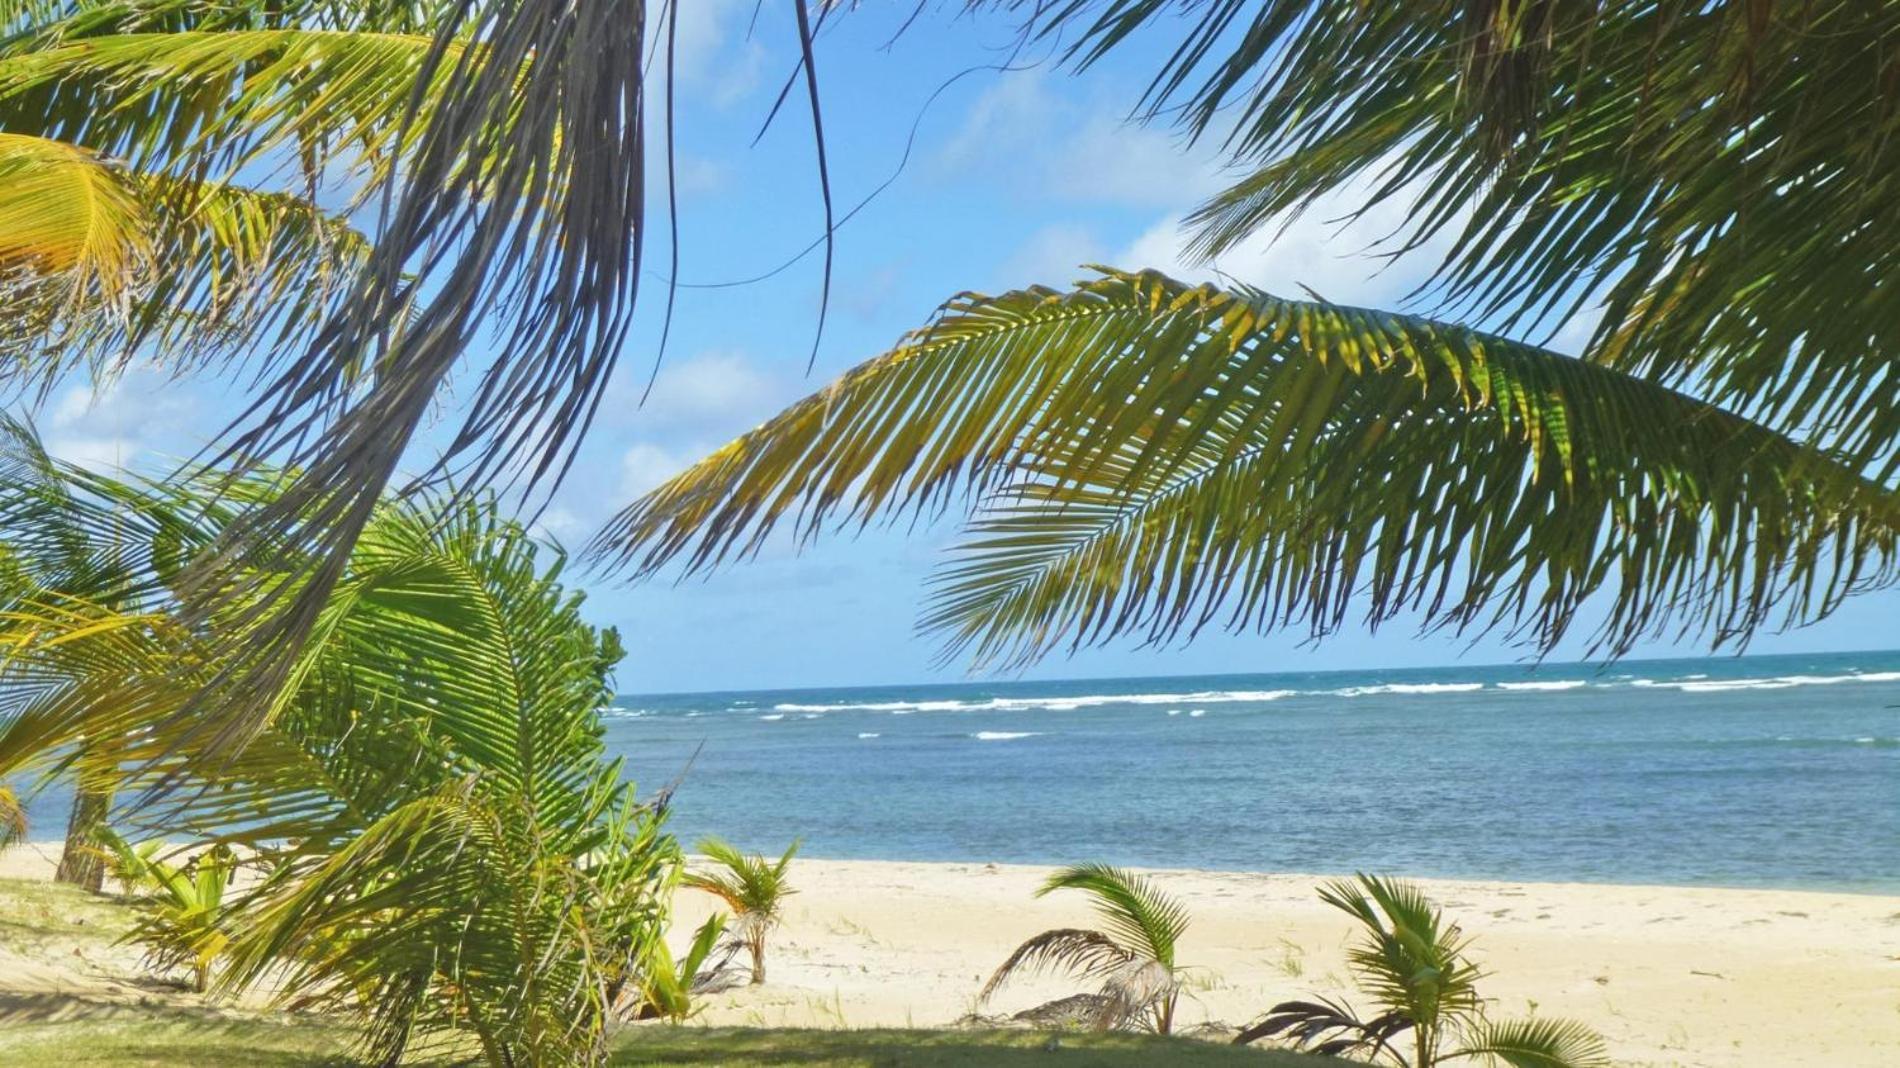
[{"x": 1671, "y": 976}]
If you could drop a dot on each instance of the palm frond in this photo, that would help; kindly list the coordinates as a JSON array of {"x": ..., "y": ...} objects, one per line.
[
  {"x": 211, "y": 103},
  {"x": 1410, "y": 959},
  {"x": 752, "y": 886},
  {"x": 1327, "y": 1028},
  {"x": 1089, "y": 954},
  {"x": 1534, "y": 1044},
  {"x": 1137, "y": 913},
  {"x": 1718, "y": 176},
  {"x": 1150, "y": 458},
  {"x": 517, "y": 216},
  {"x": 465, "y": 855},
  {"x": 13, "y": 825},
  {"x": 71, "y": 230},
  {"x": 102, "y": 262}
]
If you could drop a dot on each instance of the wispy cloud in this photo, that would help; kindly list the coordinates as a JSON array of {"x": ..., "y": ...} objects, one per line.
[
  {"x": 1055, "y": 146},
  {"x": 139, "y": 415}
]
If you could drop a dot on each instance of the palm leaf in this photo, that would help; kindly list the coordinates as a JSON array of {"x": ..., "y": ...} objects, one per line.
[
  {"x": 1534, "y": 1044},
  {"x": 751, "y": 886},
  {"x": 103, "y": 262},
  {"x": 1410, "y": 959},
  {"x": 466, "y": 857},
  {"x": 65, "y": 213},
  {"x": 1719, "y": 176},
  {"x": 1149, "y": 458},
  {"x": 13, "y": 825},
  {"x": 1146, "y": 921},
  {"x": 1327, "y": 1028},
  {"x": 1090, "y": 954}
]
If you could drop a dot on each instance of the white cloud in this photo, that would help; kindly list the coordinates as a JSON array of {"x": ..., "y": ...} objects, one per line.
[
  {"x": 645, "y": 465},
  {"x": 561, "y": 525},
  {"x": 712, "y": 52},
  {"x": 1049, "y": 145},
  {"x": 712, "y": 389},
  {"x": 1317, "y": 250},
  {"x": 1052, "y": 256},
  {"x": 137, "y": 414}
]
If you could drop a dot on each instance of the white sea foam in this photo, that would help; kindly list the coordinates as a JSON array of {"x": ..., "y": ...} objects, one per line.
[
  {"x": 1174, "y": 711},
  {"x": 1003, "y": 736},
  {"x": 876, "y": 706},
  {"x": 1407, "y": 688},
  {"x": 1703, "y": 684},
  {"x": 775, "y": 715},
  {"x": 1197, "y": 713},
  {"x": 868, "y": 734},
  {"x": 1046, "y": 704},
  {"x": 1545, "y": 684}
]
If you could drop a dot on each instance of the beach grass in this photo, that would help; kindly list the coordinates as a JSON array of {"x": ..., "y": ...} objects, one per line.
[
  {"x": 131, "y": 1023},
  {"x": 931, "y": 1049},
  {"x": 172, "y": 1036}
]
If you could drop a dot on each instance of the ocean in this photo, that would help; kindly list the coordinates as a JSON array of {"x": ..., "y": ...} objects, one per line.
[
  {"x": 1756, "y": 771},
  {"x": 1778, "y": 771}
]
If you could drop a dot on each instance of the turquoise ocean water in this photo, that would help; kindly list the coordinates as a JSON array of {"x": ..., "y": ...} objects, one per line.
[
  {"x": 1754, "y": 771},
  {"x": 1758, "y": 771}
]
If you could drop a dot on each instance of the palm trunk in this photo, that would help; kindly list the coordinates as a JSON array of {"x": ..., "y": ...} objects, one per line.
[
  {"x": 1422, "y": 1036},
  {"x": 81, "y": 863},
  {"x": 758, "y": 960}
]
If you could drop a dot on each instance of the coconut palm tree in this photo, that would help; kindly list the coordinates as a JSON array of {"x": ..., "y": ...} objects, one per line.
[
  {"x": 752, "y": 886},
  {"x": 500, "y": 147},
  {"x": 183, "y": 919},
  {"x": 1717, "y": 175},
  {"x": 1148, "y": 457},
  {"x": 1132, "y": 955},
  {"x": 447, "y": 850},
  {"x": 1143, "y": 457},
  {"x": 1415, "y": 967}
]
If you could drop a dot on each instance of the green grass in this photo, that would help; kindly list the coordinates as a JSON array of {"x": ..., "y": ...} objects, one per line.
[
  {"x": 736, "y": 1047},
  {"x": 172, "y": 1037},
  {"x": 41, "y": 919},
  {"x": 35, "y": 913}
]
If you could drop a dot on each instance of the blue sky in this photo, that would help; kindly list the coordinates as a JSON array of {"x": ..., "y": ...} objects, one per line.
[{"x": 1016, "y": 177}]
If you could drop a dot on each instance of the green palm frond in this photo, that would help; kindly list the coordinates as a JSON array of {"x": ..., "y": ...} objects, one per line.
[
  {"x": 102, "y": 262},
  {"x": 667, "y": 986},
  {"x": 13, "y": 825},
  {"x": 1143, "y": 919},
  {"x": 1411, "y": 959},
  {"x": 516, "y": 215},
  {"x": 1720, "y": 176},
  {"x": 1132, "y": 958},
  {"x": 466, "y": 857},
  {"x": 184, "y": 920},
  {"x": 212, "y": 103},
  {"x": 1150, "y": 458},
  {"x": 1534, "y": 1044},
  {"x": 751, "y": 885}
]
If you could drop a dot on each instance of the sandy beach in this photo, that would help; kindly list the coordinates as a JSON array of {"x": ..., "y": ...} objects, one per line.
[{"x": 1671, "y": 976}]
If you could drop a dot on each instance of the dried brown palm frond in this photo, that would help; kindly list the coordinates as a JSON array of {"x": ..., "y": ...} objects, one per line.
[{"x": 1131, "y": 958}]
